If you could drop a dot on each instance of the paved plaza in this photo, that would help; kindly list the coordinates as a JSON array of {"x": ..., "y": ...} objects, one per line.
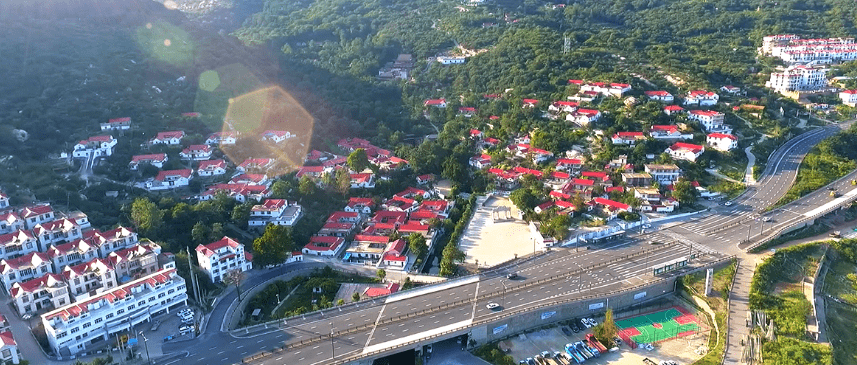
[{"x": 494, "y": 235}]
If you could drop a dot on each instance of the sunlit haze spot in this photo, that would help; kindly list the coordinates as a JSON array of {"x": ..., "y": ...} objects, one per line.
[
  {"x": 167, "y": 42},
  {"x": 148, "y": 25},
  {"x": 209, "y": 80},
  {"x": 170, "y": 5}
]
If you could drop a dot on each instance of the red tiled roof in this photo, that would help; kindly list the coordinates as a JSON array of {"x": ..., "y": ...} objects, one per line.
[
  {"x": 324, "y": 243},
  {"x": 162, "y": 175},
  {"x": 687, "y": 146},
  {"x": 722, "y": 136},
  {"x": 119, "y": 120},
  {"x": 212, "y": 164},
  {"x": 209, "y": 249},
  {"x": 612, "y": 204}
]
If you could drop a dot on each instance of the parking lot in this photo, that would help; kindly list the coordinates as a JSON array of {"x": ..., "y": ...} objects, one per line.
[
  {"x": 162, "y": 329},
  {"x": 494, "y": 235},
  {"x": 527, "y": 345}
]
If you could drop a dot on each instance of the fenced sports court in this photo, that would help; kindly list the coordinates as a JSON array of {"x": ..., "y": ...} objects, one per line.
[{"x": 661, "y": 325}]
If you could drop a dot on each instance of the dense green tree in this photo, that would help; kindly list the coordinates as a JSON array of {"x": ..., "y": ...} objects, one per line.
[
  {"x": 146, "y": 216},
  {"x": 273, "y": 246},
  {"x": 357, "y": 160},
  {"x": 684, "y": 192},
  {"x": 417, "y": 244}
]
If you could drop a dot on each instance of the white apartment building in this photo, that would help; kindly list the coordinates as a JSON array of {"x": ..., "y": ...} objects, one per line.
[
  {"x": 10, "y": 222},
  {"x": 685, "y": 151},
  {"x": 721, "y": 141},
  {"x": 848, "y": 97},
  {"x": 20, "y": 269},
  {"x": 4, "y": 200},
  {"x": 135, "y": 262},
  {"x": 71, "y": 328},
  {"x": 17, "y": 244},
  {"x": 663, "y": 174},
  {"x": 96, "y": 146},
  {"x": 47, "y": 291},
  {"x": 798, "y": 78},
  {"x": 33, "y": 215},
  {"x": 112, "y": 240},
  {"x": 792, "y": 49},
  {"x": 701, "y": 98},
  {"x": 72, "y": 253},
  {"x": 711, "y": 120},
  {"x": 89, "y": 278},
  {"x": 278, "y": 212},
  {"x": 60, "y": 230},
  {"x": 218, "y": 258}
]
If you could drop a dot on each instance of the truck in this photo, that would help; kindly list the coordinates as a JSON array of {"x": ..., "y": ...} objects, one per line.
[
  {"x": 593, "y": 342},
  {"x": 572, "y": 352},
  {"x": 548, "y": 358},
  {"x": 583, "y": 350},
  {"x": 561, "y": 359}
]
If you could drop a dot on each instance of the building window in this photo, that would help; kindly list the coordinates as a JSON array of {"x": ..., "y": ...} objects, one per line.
[
  {"x": 75, "y": 330},
  {"x": 152, "y": 299},
  {"x": 98, "y": 320},
  {"x": 87, "y": 325},
  {"x": 109, "y": 315},
  {"x": 131, "y": 307}
]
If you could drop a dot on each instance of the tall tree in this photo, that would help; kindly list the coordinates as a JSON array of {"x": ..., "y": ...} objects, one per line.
[
  {"x": 417, "y": 244},
  {"x": 343, "y": 181},
  {"x": 306, "y": 186},
  {"x": 684, "y": 192},
  {"x": 146, "y": 215},
  {"x": 357, "y": 160},
  {"x": 200, "y": 233},
  {"x": 235, "y": 277},
  {"x": 273, "y": 247}
]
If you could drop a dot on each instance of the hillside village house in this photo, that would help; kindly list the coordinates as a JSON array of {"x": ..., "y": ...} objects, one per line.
[
  {"x": 721, "y": 141},
  {"x": 23, "y": 268},
  {"x": 16, "y": 244},
  {"x": 324, "y": 246},
  {"x": 71, "y": 328},
  {"x": 10, "y": 222},
  {"x": 72, "y": 253},
  {"x": 731, "y": 89},
  {"x": 663, "y": 174},
  {"x": 220, "y": 257},
  {"x": 276, "y": 136},
  {"x": 437, "y": 103},
  {"x": 848, "y": 97},
  {"x": 360, "y": 205},
  {"x": 60, "y": 230},
  {"x": 4, "y": 200},
  {"x": 673, "y": 109},
  {"x": 254, "y": 164},
  {"x": 36, "y": 214},
  {"x": 222, "y": 138},
  {"x": 196, "y": 152},
  {"x": 660, "y": 95},
  {"x": 240, "y": 192},
  {"x": 97, "y": 146},
  {"x": 637, "y": 178},
  {"x": 117, "y": 124},
  {"x": 685, "y": 151},
  {"x": 170, "y": 179},
  {"x": 211, "y": 168},
  {"x": 172, "y": 138},
  {"x": 480, "y": 162},
  {"x": 9, "y": 352},
  {"x": 112, "y": 240},
  {"x": 798, "y": 78},
  {"x": 701, "y": 98},
  {"x": 711, "y": 120},
  {"x": 451, "y": 60},
  {"x": 628, "y": 138},
  {"x": 583, "y": 117},
  {"x": 278, "y": 212},
  {"x": 363, "y": 181},
  {"x": 250, "y": 179},
  {"x": 155, "y": 159},
  {"x": 570, "y": 165},
  {"x": 46, "y": 292},
  {"x": 135, "y": 261},
  {"x": 792, "y": 49},
  {"x": 89, "y": 278},
  {"x": 667, "y": 132},
  {"x": 563, "y": 107},
  {"x": 529, "y": 103}
]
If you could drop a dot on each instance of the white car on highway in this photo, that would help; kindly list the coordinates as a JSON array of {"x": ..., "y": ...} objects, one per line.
[
  {"x": 727, "y": 203},
  {"x": 492, "y": 306}
]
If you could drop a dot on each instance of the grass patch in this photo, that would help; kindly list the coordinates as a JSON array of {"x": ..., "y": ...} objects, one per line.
[
  {"x": 722, "y": 282},
  {"x": 491, "y": 353},
  {"x": 841, "y": 318},
  {"x": 841, "y": 325},
  {"x": 728, "y": 188}
]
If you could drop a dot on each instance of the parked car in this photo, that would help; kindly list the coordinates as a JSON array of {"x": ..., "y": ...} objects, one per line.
[
  {"x": 592, "y": 322},
  {"x": 566, "y": 330},
  {"x": 575, "y": 327},
  {"x": 168, "y": 337},
  {"x": 184, "y": 312},
  {"x": 585, "y": 323},
  {"x": 766, "y": 219}
]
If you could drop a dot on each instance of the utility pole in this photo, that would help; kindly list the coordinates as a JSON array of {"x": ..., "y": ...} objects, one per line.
[
  {"x": 192, "y": 276},
  {"x": 146, "y": 343},
  {"x": 332, "y": 349}
]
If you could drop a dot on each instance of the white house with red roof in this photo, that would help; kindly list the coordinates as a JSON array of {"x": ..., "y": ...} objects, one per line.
[
  {"x": 48, "y": 291},
  {"x": 250, "y": 179},
  {"x": 425, "y": 179},
  {"x": 279, "y": 212},
  {"x": 388, "y": 163},
  {"x": 660, "y": 95},
  {"x": 255, "y": 164},
  {"x": 15, "y": 244},
  {"x": 609, "y": 207},
  {"x": 196, "y": 152},
  {"x": 96, "y": 146},
  {"x": 337, "y": 229},
  {"x": 10, "y": 222},
  {"x": 701, "y": 98},
  {"x": 240, "y": 192},
  {"x": 327, "y": 246},
  {"x": 563, "y": 107},
  {"x": 170, "y": 179},
  {"x": 89, "y": 278},
  {"x": 363, "y": 181},
  {"x": 600, "y": 177},
  {"x": 172, "y": 138},
  {"x": 35, "y": 214},
  {"x": 154, "y": 159},
  {"x": 60, "y": 230},
  {"x": 9, "y": 353},
  {"x": 731, "y": 89},
  {"x": 4, "y": 200},
  {"x": 71, "y": 328},
  {"x": 360, "y": 205},
  {"x": 529, "y": 103},
  {"x": 412, "y": 192},
  {"x": 394, "y": 255},
  {"x": 668, "y": 133},
  {"x": 848, "y": 97},
  {"x": 571, "y": 165},
  {"x": 211, "y": 168},
  {"x": 72, "y": 253},
  {"x": 467, "y": 111},
  {"x": 277, "y": 136},
  {"x": 673, "y": 109},
  {"x": 628, "y": 138},
  {"x": 583, "y": 117},
  {"x": 437, "y": 103},
  {"x": 685, "y": 151},
  {"x": 608, "y": 89},
  {"x": 135, "y": 261},
  {"x": 220, "y": 257},
  {"x": 476, "y": 134},
  {"x": 721, "y": 141},
  {"x": 222, "y": 138},
  {"x": 112, "y": 240},
  {"x": 712, "y": 121},
  {"x": 23, "y": 268},
  {"x": 373, "y": 292},
  {"x": 117, "y": 124},
  {"x": 481, "y": 161},
  {"x": 315, "y": 172}
]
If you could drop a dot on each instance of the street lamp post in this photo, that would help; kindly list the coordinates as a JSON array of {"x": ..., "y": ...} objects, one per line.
[
  {"x": 146, "y": 344},
  {"x": 504, "y": 292},
  {"x": 332, "y": 349}
]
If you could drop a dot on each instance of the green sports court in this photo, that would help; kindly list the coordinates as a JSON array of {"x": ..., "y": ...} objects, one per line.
[{"x": 658, "y": 326}]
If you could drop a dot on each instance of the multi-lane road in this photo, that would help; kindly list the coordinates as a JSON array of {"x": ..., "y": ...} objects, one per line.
[{"x": 385, "y": 323}]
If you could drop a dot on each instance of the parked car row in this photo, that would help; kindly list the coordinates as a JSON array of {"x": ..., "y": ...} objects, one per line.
[{"x": 548, "y": 358}]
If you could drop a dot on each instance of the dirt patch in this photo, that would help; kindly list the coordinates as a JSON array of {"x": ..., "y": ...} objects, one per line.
[{"x": 781, "y": 287}]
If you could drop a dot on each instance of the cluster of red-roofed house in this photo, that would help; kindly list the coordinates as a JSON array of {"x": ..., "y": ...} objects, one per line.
[
  {"x": 368, "y": 232},
  {"x": 9, "y": 353},
  {"x": 328, "y": 163},
  {"x": 51, "y": 259}
]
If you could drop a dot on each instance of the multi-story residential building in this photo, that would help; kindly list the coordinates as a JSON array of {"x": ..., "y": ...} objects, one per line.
[
  {"x": 58, "y": 231},
  {"x": 10, "y": 221},
  {"x": 4, "y": 200},
  {"x": 17, "y": 244},
  {"x": 89, "y": 278},
  {"x": 196, "y": 152},
  {"x": 23, "y": 268},
  {"x": 72, "y": 253},
  {"x": 155, "y": 159},
  {"x": 701, "y": 98},
  {"x": 222, "y": 138},
  {"x": 170, "y": 179},
  {"x": 44, "y": 292},
  {"x": 663, "y": 174},
  {"x": 211, "y": 168},
  {"x": 96, "y": 146},
  {"x": 848, "y": 97},
  {"x": 218, "y": 258},
  {"x": 33, "y": 215},
  {"x": 278, "y": 212},
  {"x": 711, "y": 120},
  {"x": 366, "y": 249},
  {"x": 329, "y": 246},
  {"x": 798, "y": 78},
  {"x": 363, "y": 181},
  {"x": 135, "y": 261},
  {"x": 721, "y": 141},
  {"x": 792, "y": 49},
  {"x": 9, "y": 348},
  {"x": 685, "y": 151},
  {"x": 172, "y": 138},
  {"x": 112, "y": 240},
  {"x": 70, "y": 329},
  {"x": 583, "y": 117},
  {"x": 637, "y": 178}
]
